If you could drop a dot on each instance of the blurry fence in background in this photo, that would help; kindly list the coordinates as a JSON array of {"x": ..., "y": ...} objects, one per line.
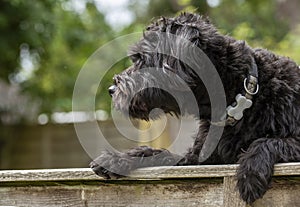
[
  {"x": 57, "y": 145},
  {"x": 49, "y": 146}
]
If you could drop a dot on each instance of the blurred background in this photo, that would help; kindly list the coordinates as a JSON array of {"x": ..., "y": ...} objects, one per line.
[{"x": 44, "y": 44}]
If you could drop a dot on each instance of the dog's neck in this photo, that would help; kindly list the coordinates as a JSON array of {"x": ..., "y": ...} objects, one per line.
[
  {"x": 234, "y": 112},
  {"x": 248, "y": 78}
]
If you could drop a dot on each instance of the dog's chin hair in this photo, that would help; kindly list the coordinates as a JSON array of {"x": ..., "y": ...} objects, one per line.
[{"x": 155, "y": 114}]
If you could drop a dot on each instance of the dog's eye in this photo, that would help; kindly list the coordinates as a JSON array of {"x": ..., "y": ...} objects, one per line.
[
  {"x": 135, "y": 57},
  {"x": 115, "y": 80}
]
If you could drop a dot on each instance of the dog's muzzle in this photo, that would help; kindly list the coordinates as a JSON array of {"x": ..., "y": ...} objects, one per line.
[{"x": 112, "y": 89}]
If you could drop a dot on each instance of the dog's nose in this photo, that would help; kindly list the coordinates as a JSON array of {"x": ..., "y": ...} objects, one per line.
[{"x": 112, "y": 89}]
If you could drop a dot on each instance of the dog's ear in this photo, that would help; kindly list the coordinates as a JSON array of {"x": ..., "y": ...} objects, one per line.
[{"x": 158, "y": 24}]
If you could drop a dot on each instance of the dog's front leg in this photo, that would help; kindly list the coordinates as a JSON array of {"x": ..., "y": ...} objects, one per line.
[
  {"x": 257, "y": 164},
  {"x": 115, "y": 164}
]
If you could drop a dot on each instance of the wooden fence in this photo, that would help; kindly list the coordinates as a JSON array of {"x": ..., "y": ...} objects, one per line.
[{"x": 204, "y": 186}]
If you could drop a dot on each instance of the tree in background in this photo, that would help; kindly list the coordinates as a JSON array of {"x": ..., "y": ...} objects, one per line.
[{"x": 45, "y": 43}]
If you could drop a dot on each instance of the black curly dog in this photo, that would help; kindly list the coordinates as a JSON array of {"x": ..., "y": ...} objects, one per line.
[{"x": 268, "y": 132}]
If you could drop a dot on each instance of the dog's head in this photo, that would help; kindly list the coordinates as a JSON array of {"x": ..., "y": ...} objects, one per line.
[{"x": 159, "y": 77}]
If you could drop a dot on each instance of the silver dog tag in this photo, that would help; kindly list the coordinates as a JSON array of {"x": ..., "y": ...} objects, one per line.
[{"x": 242, "y": 103}]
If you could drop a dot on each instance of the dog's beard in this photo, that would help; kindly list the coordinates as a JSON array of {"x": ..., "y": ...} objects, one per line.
[
  {"x": 139, "y": 94},
  {"x": 144, "y": 104}
]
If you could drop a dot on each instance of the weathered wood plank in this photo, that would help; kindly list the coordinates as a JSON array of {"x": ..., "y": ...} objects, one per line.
[
  {"x": 201, "y": 171},
  {"x": 48, "y": 175},
  {"x": 175, "y": 194},
  {"x": 206, "y": 171},
  {"x": 159, "y": 186},
  {"x": 231, "y": 197},
  {"x": 193, "y": 192}
]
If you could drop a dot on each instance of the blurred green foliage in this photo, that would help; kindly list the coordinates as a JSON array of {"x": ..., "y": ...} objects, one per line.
[{"x": 58, "y": 39}]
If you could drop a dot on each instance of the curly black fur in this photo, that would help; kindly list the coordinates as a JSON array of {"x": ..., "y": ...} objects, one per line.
[{"x": 269, "y": 131}]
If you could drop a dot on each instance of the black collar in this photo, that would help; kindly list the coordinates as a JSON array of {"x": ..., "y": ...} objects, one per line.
[{"x": 234, "y": 112}]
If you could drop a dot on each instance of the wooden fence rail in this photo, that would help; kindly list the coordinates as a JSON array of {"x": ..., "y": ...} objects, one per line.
[{"x": 204, "y": 186}]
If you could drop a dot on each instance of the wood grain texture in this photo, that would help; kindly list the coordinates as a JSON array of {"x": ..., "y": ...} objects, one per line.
[
  {"x": 173, "y": 193},
  {"x": 231, "y": 196},
  {"x": 205, "y": 186},
  {"x": 48, "y": 175},
  {"x": 112, "y": 194},
  {"x": 201, "y": 171}
]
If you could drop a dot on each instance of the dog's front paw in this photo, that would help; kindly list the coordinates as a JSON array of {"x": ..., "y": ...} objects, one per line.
[
  {"x": 252, "y": 184},
  {"x": 112, "y": 165}
]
